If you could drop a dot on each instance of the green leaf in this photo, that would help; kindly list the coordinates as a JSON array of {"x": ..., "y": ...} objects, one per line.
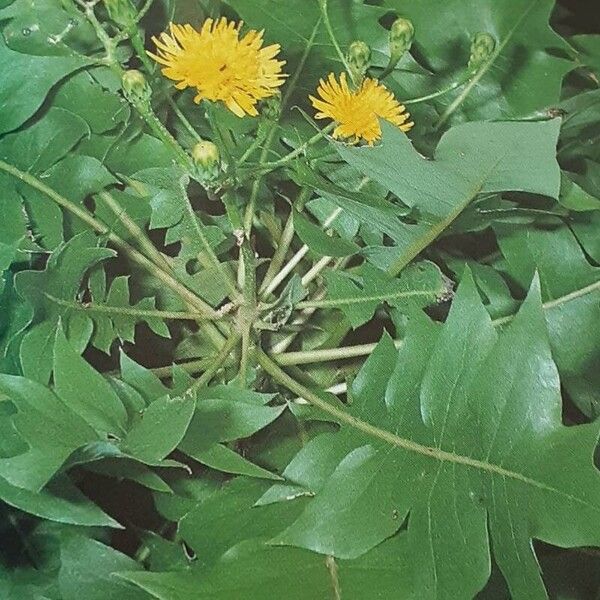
[
  {"x": 160, "y": 429},
  {"x": 575, "y": 198},
  {"x": 85, "y": 391},
  {"x": 82, "y": 95},
  {"x": 470, "y": 421},
  {"x": 526, "y": 47},
  {"x": 470, "y": 159},
  {"x": 22, "y": 96},
  {"x": 50, "y": 428},
  {"x": 61, "y": 279},
  {"x": 571, "y": 294},
  {"x": 88, "y": 571},
  {"x": 60, "y": 501},
  {"x": 318, "y": 241},
  {"x": 358, "y": 297},
  {"x": 115, "y": 316}
]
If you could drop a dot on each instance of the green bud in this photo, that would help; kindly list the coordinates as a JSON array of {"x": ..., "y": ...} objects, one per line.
[
  {"x": 271, "y": 108},
  {"x": 482, "y": 47},
  {"x": 122, "y": 12},
  {"x": 402, "y": 34},
  {"x": 359, "y": 60},
  {"x": 207, "y": 158},
  {"x": 135, "y": 87}
]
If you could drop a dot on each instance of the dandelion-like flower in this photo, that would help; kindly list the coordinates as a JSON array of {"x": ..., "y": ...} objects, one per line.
[
  {"x": 220, "y": 64},
  {"x": 357, "y": 112}
]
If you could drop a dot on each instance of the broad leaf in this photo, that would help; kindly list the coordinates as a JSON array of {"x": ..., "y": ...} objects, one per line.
[
  {"x": 526, "y": 47},
  {"x": 470, "y": 159},
  {"x": 466, "y": 419}
]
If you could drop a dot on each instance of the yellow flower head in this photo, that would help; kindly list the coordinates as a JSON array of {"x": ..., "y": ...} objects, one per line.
[
  {"x": 357, "y": 112},
  {"x": 220, "y": 64}
]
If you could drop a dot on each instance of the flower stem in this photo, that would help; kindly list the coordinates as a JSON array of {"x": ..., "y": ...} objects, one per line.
[
  {"x": 271, "y": 166},
  {"x": 285, "y": 241},
  {"x": 247, "y": 311},
  {"x": 291, "y": 264},
  {"x": 336, "y": 45}
]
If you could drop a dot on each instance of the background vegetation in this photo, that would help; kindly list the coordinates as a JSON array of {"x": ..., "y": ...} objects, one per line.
[{"x": 309, "y": 369}]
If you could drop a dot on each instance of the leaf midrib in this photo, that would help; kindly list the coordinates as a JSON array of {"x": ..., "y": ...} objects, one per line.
[
  {"x": 333, "y": 302},
  {"x": 404, "y": 443}
]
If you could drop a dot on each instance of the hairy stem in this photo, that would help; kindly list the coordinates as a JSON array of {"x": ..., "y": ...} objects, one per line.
[
  {"x": 129, "y": 310},
  {"x": 137, "y": 233},
  {"x": 187, "y": 295}
]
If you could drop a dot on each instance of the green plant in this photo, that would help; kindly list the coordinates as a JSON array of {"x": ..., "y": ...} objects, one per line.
[{"x": 249, "y": 354}]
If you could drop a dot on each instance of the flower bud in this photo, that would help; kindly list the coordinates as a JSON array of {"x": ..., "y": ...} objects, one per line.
[
  {"x": 482, "y": 47},
  {"x": 135, "y": 87},
  {"x": 359, "y": 60},
  {"x": 207, "y": 159},
  {"x": 271, "y": 108},
  {"x": 122, "y": 12},
  {"x": 402, "y": 34}
]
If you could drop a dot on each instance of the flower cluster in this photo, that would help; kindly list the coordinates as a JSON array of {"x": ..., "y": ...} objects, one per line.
[{"x": 222, "y": 65}]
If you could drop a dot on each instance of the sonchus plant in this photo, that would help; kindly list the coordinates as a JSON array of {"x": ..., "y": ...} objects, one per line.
[{"x": 299, "y": 300}]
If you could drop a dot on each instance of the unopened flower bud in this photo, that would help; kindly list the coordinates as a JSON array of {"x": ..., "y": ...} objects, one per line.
[
  {"x": 271, "y": 108},
  {"x": 135, "y": 87},
  {"x": 402, "y": 34},
  {"x": 359, "y": 60},
  {"x": 207, "y": 159},
  {"x": 122, "y": 12},
  {"x": 482, "y": 47}
]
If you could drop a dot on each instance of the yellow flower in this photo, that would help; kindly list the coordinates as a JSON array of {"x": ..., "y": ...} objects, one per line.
[
  {"x": 220, "y": 64},
  {"x": 357, "y": 112}
]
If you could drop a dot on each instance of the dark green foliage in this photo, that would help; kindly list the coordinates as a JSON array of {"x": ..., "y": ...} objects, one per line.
[{"x": 309, "y": 369}]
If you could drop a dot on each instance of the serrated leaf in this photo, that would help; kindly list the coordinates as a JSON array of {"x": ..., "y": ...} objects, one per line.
[
  {"x": 49, "y": 428},
  {"x": 358, "y": 295},
  {"x": 476, "y": 425},
  {"x": 571, "y": 291},
  {"x": 60, "y": 279},
  {"x": 470, "y": 159}
]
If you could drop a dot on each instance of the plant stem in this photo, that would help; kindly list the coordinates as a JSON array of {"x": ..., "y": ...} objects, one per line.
[
  {"x": 136, "y": 232},
  {"x": 306, "y": 357},
  {"x": 291, "y": 264},
  {"x": 247, "y": 311},
  {"x": 314, "y": 271},
  {"x": 337, "y": 302},
  {"x": 216, "y": 363},
  {"x": 145, "y": 8},
  {"x": 129, "y": 310},
  {"x": 452, "y": 86},
  {"x": 342, "y": 56},
  {"x": 140, "y": 49},
  {"x": 284, "y": 243},
  {"x": 187, "y": 295},
  {"x": 298, "y": 151},
  {"x": 216, "y": 263}
]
